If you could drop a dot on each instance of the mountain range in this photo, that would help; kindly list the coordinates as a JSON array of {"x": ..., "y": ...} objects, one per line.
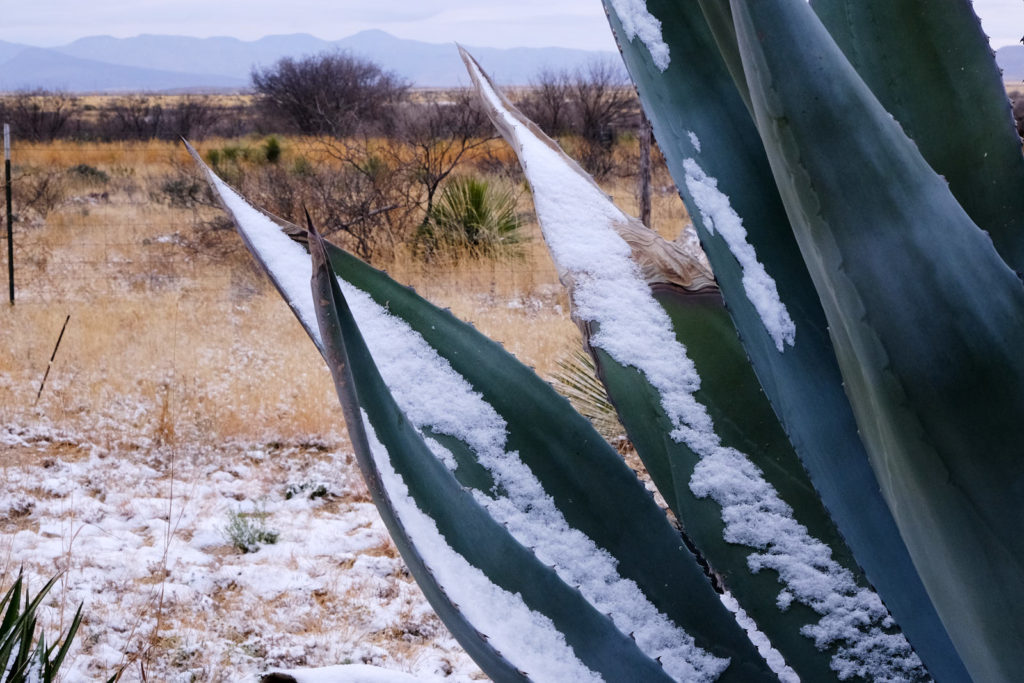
[{"x": 160, "y": 63}]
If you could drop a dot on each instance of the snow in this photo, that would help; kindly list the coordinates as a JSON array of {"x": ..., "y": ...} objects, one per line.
[
  {"x": 350, "y": 673},
  {"x": 694, "y": 140},
  {"x": 718, "y": 215},
  {"x": 578, "y": 222},
  {"x": 148, "y": 555},
  {"x": 776, "y": 662},
  {"x": 638, "y": 21},
  {"x": 432, "y": 395}
]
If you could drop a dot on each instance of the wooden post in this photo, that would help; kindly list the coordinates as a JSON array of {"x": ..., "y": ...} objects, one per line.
[
  {"x": 52, "y": 356},
  {"x": 644, "y": 184},
  {"x": 10, "y": 213}
]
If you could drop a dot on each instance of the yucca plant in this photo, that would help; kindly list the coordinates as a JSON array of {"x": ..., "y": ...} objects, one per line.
[
  {"x": 472, "y": 217},
  {"x": 24, "y": 655},
  {"x": 846, "y": 468}
]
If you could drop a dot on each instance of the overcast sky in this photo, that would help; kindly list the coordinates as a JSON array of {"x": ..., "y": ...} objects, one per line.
[{"x": 492, "y": 23}]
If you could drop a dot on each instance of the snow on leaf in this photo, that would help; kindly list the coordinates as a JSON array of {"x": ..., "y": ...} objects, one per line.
[
  {"x": 638, "y": 21},
  {"x": 579, "y": 225}
]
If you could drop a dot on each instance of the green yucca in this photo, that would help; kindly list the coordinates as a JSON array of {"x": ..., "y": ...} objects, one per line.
[
  {"x": 20, "y": 661},
  {"x": 474, "y": 217}
]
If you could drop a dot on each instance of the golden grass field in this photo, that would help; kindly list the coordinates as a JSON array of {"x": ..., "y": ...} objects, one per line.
[{"x": 181, "y": 361}]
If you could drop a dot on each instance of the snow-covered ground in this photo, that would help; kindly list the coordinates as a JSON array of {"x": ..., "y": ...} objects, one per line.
[{"x": 139, "y": 533}]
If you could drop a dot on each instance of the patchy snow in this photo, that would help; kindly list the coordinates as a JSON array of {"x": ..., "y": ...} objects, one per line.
[
  {"x": 694, "y": 140},
  {"x": 351, "y": 673},
  {"x": 578, "y": 221},
  {"x": 432, "y": 395},
  {"x": 638, "y": 21},
  {"x": 162, "y": 585},
  {"x": 718, "y": 215}
]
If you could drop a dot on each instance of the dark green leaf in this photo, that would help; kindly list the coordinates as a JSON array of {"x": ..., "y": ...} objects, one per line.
[{"x": 941, "y": 82}]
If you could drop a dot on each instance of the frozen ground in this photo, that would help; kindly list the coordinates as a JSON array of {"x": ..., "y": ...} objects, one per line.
[{"x": 139, "y": 531}]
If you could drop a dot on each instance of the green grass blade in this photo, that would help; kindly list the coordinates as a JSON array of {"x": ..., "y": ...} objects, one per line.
[
  {"x": 941, "y": 82},
  {"x": 695, "y": 94},
  {"x": 926, "y": 319},
  {"x": 52, "y": 665}
]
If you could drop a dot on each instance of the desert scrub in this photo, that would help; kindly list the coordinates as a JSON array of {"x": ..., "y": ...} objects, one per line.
[{"x": 247, "y": 531}]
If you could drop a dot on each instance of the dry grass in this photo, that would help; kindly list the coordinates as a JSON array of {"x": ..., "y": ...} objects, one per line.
[{"x": 163, "y": 311}]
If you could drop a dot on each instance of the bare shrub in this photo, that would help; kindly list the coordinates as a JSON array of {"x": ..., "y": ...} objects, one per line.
[
  {"x": 1017, "y": 102},
  {"x": 328, "y": 93},
  {"x": 594, "y": 103},
  {"x": 39, "y": 115},
  {"x": 440, "y": 133},
  {"x": 137, "y": 117}
]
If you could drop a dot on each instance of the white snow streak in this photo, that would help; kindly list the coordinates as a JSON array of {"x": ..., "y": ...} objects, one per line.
[
  {"x": 432, "y": 395},
  {"x": 527, "y": 639},
  {"x": 718, "y": 215},
  {"x": 638, "y": 21},
  {"x": 578, "y": 224}
]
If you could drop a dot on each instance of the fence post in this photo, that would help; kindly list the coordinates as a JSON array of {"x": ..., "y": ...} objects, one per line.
[{"x": 10, "y": 214}]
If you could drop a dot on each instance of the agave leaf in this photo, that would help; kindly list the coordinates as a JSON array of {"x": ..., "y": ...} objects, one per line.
[
  {"x": 730, "y": 503},
  {"x": 926, "y": 319},
  {"x": 540, "y": 473},
  {"x": 956, "y": 109},
  {"x": 464, "y": 554},
  {"x": 716, "y": 157}
]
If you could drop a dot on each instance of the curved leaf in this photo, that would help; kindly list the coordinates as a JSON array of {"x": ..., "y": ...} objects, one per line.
[
  {"x": 941, "y": 82},
  {"x": 514, "y": 615},
  {"x": 731, "y": 503},
  {"x": 926, "y": 318},
  {"x": 717, "y": 159}
]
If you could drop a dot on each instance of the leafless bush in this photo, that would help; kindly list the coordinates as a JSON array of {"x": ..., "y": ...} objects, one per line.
[
  {"x": 39, "y": 115},
  {"x": 191, "y": 118},
  {"x": 329, "y": 93},
  {"x": 1017, "y": 101},
  {"x": 136, "y": 117},
  {"x": 595, "y": 103},
  {"x": 440, "y": 133},
  {"x": 37, "y": 191}
]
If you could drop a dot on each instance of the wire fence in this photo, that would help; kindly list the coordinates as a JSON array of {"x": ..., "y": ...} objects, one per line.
[{"x": 94, "y": 221}]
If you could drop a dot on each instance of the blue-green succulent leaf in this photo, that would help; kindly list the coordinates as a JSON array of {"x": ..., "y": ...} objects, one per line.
[
  {"x": 715, "y": 154},
  {"x": 690, "y": 407},
  {"x": 926, "y": 320},
  {"x": 941, "y": 82}
]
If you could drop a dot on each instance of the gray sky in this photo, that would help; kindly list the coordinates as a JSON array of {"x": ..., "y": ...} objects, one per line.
[{"x": 526, "y": 23}]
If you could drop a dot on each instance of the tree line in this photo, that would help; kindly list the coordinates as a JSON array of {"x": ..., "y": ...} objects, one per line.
[{"x": 331, "y": 94}]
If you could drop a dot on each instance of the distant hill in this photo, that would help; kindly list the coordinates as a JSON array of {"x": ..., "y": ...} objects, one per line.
[
  {"x": 1011, "y": 61},
  {"x": 33, "y": 68},
  {"x": 157, "y": 63},
  {"x": 161, "y": 63}
]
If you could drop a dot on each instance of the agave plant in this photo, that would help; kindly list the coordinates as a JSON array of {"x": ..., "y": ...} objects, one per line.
[{"x": 834, "y": 415}]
